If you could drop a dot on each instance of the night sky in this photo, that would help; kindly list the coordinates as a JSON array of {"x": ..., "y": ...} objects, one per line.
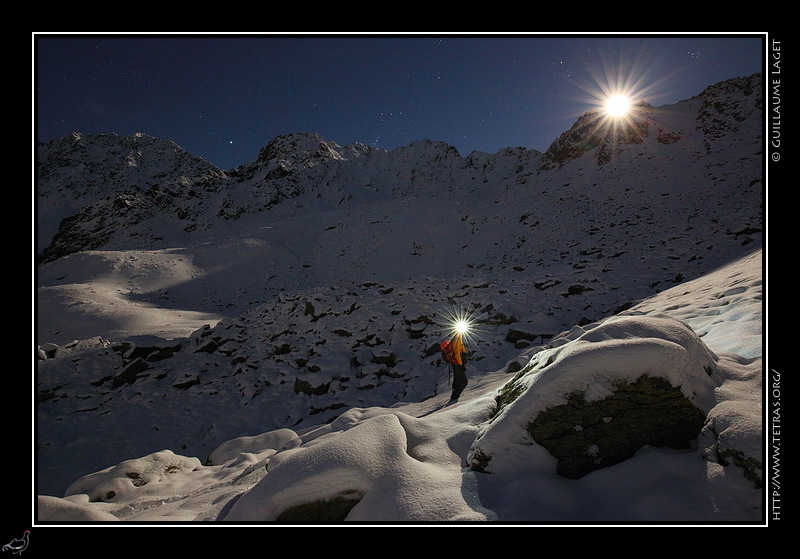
[{"x": 224, "y": 97}]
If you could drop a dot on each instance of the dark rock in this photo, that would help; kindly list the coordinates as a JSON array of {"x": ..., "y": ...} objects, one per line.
[
  {"x": 514, "y": 336},
  {"x": 585, "y": 436},
  {"x": 159, "y": 353},
  {"x": 305, "y": 387},
  {"x": 209, "y": 346},
  {"x": 576, "y": 290},
  {"x": 325, "y": 511},
  {"x": 185, "y": 385},
  {"x": 130, "y": 373}
]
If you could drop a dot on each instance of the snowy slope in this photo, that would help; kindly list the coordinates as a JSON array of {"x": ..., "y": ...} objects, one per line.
[
  {"x": 326, "y": 295},
  {"x": 408, "y": 462}
]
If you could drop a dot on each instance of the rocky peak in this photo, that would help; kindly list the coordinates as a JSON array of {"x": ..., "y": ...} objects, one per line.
[
  {"x": 286, "y": 154},
  {"x": 289, "y": 150},
  {"x": 90, "y": 167},
  {"x": 426, "y": 151},
  {"x": 725, "y": 105},
  {"x": 596, "y": 130}
]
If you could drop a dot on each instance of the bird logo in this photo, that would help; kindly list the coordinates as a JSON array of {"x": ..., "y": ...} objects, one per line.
[{"x": 18, "y": 545}]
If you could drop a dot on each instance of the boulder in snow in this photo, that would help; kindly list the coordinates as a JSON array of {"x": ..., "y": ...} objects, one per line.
[{"x": 595, "y": 401}]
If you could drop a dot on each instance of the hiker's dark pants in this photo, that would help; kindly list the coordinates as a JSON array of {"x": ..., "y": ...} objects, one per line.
[{"x": 459, "y": 380}]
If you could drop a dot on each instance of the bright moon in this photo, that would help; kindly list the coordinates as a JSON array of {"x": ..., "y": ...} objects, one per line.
[{"x": 618, "y": 105}]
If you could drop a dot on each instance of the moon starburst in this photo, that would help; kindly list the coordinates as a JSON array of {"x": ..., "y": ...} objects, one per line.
[{"x": 618, "y": 105}]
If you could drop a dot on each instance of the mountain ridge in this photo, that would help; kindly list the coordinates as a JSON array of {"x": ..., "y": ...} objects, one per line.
[{"x": 292, "y": 163}]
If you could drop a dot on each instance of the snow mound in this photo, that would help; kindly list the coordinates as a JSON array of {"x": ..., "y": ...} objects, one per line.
[
  {"x": 391, "y": 466},
  {"x": 273, "y": 440},
  {"x": 70, "y": 509},
  {"x": 155, "y": 474}
]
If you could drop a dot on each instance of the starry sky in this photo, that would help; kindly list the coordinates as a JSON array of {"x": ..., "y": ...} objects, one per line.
[{"x": 224, "y": 97}]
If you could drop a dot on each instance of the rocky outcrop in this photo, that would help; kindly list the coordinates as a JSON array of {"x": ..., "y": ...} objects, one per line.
[
  {"x": 623, "y": 384},
  {"x": 725, "y": 106}
]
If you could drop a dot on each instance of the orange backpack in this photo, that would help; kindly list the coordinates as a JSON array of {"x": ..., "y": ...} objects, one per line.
[{"x": 447, "y": 351}]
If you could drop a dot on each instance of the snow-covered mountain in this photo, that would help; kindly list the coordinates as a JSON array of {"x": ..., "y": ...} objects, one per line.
[{"x": 234, "y": 317}]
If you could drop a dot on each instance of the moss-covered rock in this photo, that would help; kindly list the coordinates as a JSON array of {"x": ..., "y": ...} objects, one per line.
[
  {"x": 594, "y": 401},
  {"x": 585, "y": 436},
  {"x": 753, "y": 469}
]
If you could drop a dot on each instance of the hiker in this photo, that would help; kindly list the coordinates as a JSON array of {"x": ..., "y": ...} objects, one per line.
[{"x": 452, "y": 352}]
